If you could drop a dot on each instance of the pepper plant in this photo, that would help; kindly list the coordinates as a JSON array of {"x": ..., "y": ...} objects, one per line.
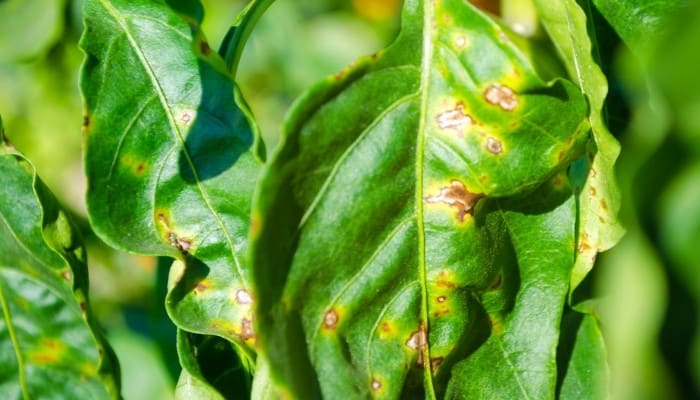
[{"x": 420, "y": 232}]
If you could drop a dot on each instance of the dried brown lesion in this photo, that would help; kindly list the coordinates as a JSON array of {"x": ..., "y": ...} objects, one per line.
[
  {"x": 182, "y": 244},
  {"x": 456, "y": 119},
  {"x": 456, "y": 195},
  {"x": 502, "y": 96},
  {"x": 418, "y": 341},
  {"x": 330, "y": 319}
]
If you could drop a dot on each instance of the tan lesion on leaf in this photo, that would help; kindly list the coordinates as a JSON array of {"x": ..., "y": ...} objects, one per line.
[
  {"x": 418, "y": 342},
  {"x": 331, "y": 319},
  {"x": 181, "y": 243},
  {"x": 456, "y": 119},
  {"x": 456, "y": 195},
  {"x": 494, "y": 146},
  {"x": 376, "y": 385},
  {"x": 243, "y": 297},
  {"x": 247, "y": 330},
  {"x": 502, "y": 96}
]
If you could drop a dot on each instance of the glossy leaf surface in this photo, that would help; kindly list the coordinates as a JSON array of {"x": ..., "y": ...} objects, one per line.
[
  {"x": 171, "y": 157},
  {"x": 415, "y": 226},
  {"x": 49, "y": 345},
  {"x": 594, "y": 176}
]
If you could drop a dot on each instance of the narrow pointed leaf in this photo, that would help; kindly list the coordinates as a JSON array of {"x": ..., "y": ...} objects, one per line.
[
  {"x": 402, "y": 225},
  {"x": 49, "y": 344},
  {"x": 599, "y": 196},
  {"x": 171, "y": 157}
]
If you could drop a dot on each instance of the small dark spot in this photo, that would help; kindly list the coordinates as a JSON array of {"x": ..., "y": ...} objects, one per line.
[
  {"x": 435, "y": 363},
  {"x": 603, "y": 204},
  {"x": 204, "y": 48},
  {"x": 441, "y": 312},
  {"x": 561, "y": 155},
  {"x": 483, "y": 178},
  {"x": 385, "y": 327},
  {"x": 83, "y": 306},
  {"x": 375, "y": 56},
  {"x": 502, "y": 96},
  {"x": 601, "y": 220},
  {"x": 497, "y": 283},
  {"x": 100, "y": 351},
  {"x": 454, "y": 119},
  {"x": 330, "y": 319},
  {"x": 247, "y": 331},
  {"x": 441, "y": 299},
  {"x": 494, "y": 145},
  {"x": 86, "y": 121},
  {"x": 456, "y": 195},
  {"x": 140, "y": 168}
]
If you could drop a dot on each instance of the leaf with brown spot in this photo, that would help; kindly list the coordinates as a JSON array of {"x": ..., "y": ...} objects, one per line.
[
  {"x": 46, "y": 327},
  {"x": 398, "y": 181}
]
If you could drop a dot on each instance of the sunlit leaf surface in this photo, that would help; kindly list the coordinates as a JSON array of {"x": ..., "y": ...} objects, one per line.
[
  {"x": 49, "y": 346},
  {"x": 417, "y": 224}
]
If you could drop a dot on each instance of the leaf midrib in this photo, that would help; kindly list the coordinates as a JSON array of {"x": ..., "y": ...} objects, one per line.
[
  {"x": 173, "y": 126},
  {"x": 426, "y": 62}
]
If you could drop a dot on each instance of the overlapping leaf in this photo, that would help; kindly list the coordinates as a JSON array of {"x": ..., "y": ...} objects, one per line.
[
  {"x": 171, "y": 157},
  {"x": 49, "y": 345},
  {"x": 599, "y": 197},
  {"x": 415, "y": 227}
]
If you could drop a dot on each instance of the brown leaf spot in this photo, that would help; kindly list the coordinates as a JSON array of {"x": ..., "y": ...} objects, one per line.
[
  {"x": 376, "y": 385},
  {"x": 584, "y": 246},
  {"x": 243, "y": 297},
  {"x": 386, "y": 328},
  {"x": 603, "y": 204},
  {"x": 417, "y": 341},
  {"x": 435, "y": 363},
  {"x": 44, "y": 358},
  {"x": 502, "y": 96},
  {"x": 140, "y": 168},
  {"x": 83, "y": 306},
  {"x": 186, "y": 117},
  {"x": 247, "y": 331},
  {"x": 456, "y": 195},
  {"x": 201, "y": 286},
  {"x": 441, "y": 299},
  {"x": 182, "y": 244},
  {"x": 86, "y": 121},
  {"x": 454, "y": 119},
  {"x": 204, "y": 48},
  {"x": 330, "y": 319},
  {"x": 67, "y": 275},
  {"x": 494, "y": 145},
  {"x": 441, "y": 312},
  {"x": 592, "y": 191},
  {"x": 497, "y": 283}
]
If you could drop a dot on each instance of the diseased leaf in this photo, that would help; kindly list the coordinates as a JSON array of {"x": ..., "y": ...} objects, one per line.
[
  {"x": 171, "y": 158},
  {"x": 417, "y": 217},
  {"x": 599, "y": 197},
  {"x": 49, "y": 345}
]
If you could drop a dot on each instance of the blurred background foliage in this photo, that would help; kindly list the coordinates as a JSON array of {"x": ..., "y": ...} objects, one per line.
[{"x": 649, "y": 286}]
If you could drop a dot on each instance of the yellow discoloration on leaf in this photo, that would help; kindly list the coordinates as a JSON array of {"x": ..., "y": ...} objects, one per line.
[{"x": 456, "y": 195}]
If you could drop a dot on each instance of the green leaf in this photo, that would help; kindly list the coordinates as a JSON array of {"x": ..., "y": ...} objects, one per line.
[
  {"x": 639, "y": 22},
  {"x": 49, "y": 344},
  {"x": 211, "y": 368},
  {"x": 583, "y": 367},
  {"x": 404, "y": 223},
  {"x": 172, "y": 158},
  {"x": 29, "y": 28},
  {"x": 599, "y": 197}
]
